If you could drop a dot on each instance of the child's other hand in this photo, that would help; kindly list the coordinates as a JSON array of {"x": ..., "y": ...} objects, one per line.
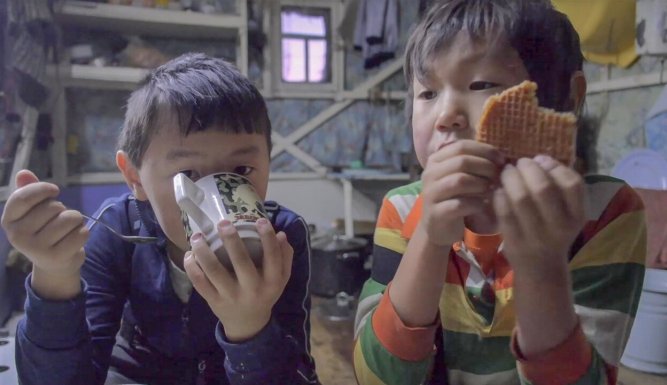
[
  {"x": 457, "y": 182},
  {"x": 540, "y": 211},
  {"x": 48, "y": 234},
  {"x": 242, "y": 301}
]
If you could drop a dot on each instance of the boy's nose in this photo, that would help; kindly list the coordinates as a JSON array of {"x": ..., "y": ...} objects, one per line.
[{"x": 451, "y": 120}]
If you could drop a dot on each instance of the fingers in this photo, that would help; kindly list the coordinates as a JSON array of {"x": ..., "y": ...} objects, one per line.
[
  {"x": 469, "y": 147},
  {"x": 72, "y": 243},
  {"x": 287, "y": 252},
  {"x": 462, "y": 164},
  {"x": 246, "y": 272},
  {"x": 507, "y": 221},
  {"x": 458, "y": 185},
  {"x": 272, "y": 265},
  {"x": 208, "y": 262},
  {"x": 519, "y": 199},
  {"x": 199, "y": 280},
  {"x": 459, "y": 207},
  {"x": 545, "y": 193},
  {"x": 58, "y": 227},
  {"x": 25, "y": 198},
  {"x": 573, "y": 190},
  {"x": 25, "y": 177}
]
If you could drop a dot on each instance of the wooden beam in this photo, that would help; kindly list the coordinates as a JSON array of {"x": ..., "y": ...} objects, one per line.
[
  {"x": 299, "y": 154},
  {"x": 333, "y": 110}
]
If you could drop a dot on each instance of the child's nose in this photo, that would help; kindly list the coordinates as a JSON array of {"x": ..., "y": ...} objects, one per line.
[{"x": 451, "y": 119}]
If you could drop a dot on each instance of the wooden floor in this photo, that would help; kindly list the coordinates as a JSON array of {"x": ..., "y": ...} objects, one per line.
[
  {"x": 331, "y": 346},
  {"x": 332, "y": 343}
]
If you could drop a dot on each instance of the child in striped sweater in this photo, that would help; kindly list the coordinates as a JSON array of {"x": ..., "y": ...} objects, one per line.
[{"x": 487, "y": 273}]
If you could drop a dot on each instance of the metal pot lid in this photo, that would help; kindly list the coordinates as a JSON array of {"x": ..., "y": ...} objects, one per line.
[{"x": 337, "y": 242}]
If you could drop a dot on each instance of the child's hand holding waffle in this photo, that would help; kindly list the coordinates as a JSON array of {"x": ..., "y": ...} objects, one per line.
[{"x": 539, "y": 205}]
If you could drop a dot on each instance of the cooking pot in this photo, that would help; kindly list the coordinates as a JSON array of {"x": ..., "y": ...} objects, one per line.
[{"x": 337, "y": 265}]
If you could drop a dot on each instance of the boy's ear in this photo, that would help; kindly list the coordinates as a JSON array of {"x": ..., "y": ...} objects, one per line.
[
  {"x": 578, "y": 91},
  {"x": 131, "y": 175}
]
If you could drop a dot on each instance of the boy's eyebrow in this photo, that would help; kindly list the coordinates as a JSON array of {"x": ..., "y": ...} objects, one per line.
[
  {"x": 247, "y": 150},
  {"x": 180, "y": 153}
]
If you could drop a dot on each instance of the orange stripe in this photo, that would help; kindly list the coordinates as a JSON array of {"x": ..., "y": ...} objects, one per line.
[
  {"x": 504, "y": 273},
  {"x": 412, "y": 220},
  {"x": 406, "y": 343},
  {"x": 564, "y": 364},
  {"x": 483, "y": 246},
  {"x": 388, "y": 218},
  {"x": 626, "y": 200}
]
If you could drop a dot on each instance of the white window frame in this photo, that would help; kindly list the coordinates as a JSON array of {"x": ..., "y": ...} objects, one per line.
[{"x": 280, "y": 88}]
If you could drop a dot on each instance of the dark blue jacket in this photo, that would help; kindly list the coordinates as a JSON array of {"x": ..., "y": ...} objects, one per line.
[{"x": 160, "y": 340}]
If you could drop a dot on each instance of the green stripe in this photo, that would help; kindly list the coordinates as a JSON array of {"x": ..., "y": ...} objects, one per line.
[
  {"x": 593, "y": 179},
  {"x": 371, "y": 287},
  {"x": 611, "y": 287},
  {"x": 414, "y": 188},
  {"x": 387, "y": 367},
  {"x": 474, "y": 354}
]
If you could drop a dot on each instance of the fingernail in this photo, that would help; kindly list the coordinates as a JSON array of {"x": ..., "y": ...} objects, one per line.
[
  {"x": 195, "y": 237},
  {"x": 262, "y": 222},
  {"x": 227, "y": 227}
]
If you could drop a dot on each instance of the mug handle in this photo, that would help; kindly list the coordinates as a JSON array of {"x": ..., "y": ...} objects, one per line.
[{"x": 189, "y": 196}]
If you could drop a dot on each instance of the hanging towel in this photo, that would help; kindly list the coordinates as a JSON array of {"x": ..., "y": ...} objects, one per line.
[{"x": 376, "y": 31}]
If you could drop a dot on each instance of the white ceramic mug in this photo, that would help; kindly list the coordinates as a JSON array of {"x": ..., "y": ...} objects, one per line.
[{"x": 219, "y": 196}]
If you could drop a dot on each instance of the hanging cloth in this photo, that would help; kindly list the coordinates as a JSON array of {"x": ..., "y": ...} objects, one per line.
[{"x": 376, "y": 31}]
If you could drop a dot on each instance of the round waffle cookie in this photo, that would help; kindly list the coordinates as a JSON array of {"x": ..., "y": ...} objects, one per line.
[{"x": 513, "y": 122}]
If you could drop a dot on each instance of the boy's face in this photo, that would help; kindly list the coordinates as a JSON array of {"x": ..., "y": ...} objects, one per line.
[
  {"x": 198, "y": 155},
  {"x": 448, "y": 105}
]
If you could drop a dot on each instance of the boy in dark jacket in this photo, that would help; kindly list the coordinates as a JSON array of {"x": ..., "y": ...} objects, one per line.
[{"x": 100, "y": 310}]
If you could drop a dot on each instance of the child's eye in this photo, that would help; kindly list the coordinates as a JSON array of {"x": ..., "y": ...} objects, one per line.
[
  {"x": 193, "y": 175},
  {"x": 243, "y": 170},
  {"x": 481, "y": 86},
  {"x": 427, "y": 95}
]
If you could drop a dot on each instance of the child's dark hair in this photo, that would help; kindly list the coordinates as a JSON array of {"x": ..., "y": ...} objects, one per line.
[
  {"x": 544, "y": 38},
  {"x": 199, "y": 93}
]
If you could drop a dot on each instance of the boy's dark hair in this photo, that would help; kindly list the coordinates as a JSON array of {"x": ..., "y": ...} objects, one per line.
[
  {"x": 544, "y": 38},
  {"x": 197, "y": 91}
]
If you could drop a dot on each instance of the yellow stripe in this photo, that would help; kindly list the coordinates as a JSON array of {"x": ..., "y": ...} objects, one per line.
[
  {"x": 390, "y": 239},
  {"x": 364, "y": 374},
  {"x": 510, "y": 377},
  {"x": 457, "y": 313},
  {"x": 610, "y": 246}
]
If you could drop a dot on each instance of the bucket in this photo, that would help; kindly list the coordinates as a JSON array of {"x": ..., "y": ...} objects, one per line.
[{"x": 646, "y": 350}]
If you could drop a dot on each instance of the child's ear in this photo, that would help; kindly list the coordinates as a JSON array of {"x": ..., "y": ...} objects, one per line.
[
  {"x": 131, "y": 175},
  {"x": 578, "y": 91}
]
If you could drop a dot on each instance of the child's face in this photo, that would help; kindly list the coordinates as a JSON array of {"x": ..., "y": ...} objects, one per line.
[
  {"x": 460, "y": 79},
  {"x": 198, "y": 155}
]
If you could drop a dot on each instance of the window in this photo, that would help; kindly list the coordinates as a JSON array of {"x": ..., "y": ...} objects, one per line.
[{"x": 305, "y": 45}]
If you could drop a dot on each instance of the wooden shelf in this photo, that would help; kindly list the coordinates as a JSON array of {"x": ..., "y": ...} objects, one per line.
[
  {"x": 149, "y": 21},
  {"x": 88, "y": 76}
]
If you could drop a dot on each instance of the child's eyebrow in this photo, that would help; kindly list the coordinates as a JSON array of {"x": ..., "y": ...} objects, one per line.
[
  {"x": 248, "y": 150},
  {"x": 176, "y": 154}
]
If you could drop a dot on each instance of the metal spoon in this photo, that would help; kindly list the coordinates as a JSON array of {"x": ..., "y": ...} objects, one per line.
[{"x": 138, "y": 239}]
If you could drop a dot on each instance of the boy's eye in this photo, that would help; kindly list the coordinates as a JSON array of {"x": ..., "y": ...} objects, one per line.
[
  {"x": 193, "y": 175},
  {"x": 243, "y": 170},
  {"x": 481, "y": 86},
  {"x": 427, "y": 95}
]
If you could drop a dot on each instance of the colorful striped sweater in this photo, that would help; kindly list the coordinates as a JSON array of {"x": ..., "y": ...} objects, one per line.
[{"x": 477, "y": 320}]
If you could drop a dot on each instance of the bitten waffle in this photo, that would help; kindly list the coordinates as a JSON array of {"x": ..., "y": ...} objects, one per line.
[{"x": 513, "y": 122}]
